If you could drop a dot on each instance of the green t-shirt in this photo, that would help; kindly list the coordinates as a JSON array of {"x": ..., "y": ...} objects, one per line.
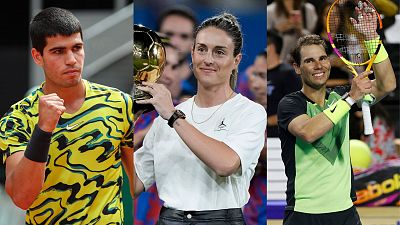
[{"x": 319, "y": 174}]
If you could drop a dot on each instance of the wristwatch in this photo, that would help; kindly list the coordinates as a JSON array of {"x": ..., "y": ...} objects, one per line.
[
  {"x": 348, "y": 99},
  {"x": 178, "y": 114}
]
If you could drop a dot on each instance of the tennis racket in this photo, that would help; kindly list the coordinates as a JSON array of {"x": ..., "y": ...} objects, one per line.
[{"x": 350, "y": 23}]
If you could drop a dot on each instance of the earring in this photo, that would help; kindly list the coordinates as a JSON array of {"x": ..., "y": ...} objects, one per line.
[{"x": 191, "y": 67}]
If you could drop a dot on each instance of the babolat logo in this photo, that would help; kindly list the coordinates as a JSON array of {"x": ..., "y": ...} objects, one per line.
[{"x": 376, "y": 190}]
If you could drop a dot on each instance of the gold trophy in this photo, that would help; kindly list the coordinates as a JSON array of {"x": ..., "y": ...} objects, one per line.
[{"x": 148, "y": 64}]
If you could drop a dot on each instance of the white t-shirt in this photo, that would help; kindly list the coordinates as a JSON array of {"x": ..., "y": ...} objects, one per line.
[{"x": 183, "y": 181}]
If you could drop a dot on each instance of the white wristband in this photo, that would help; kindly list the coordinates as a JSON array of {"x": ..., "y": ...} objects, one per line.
[{"x": 348, "y": 99}]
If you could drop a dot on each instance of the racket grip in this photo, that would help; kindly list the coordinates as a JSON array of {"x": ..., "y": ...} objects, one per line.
[{"x": 368, "y": 129}]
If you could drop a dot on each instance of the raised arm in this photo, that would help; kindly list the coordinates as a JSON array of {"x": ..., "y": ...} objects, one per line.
[
  {"x": 311, "y": 129},
  {"x": 385, "y": 80},
  {"x": 25, "y": 171}
]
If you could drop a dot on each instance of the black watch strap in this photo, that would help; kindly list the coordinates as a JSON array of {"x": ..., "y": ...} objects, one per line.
[{"x": 178, "y": 114}]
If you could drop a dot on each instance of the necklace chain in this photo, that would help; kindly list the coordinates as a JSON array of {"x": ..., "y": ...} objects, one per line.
[{"x": 194, "y": 99}]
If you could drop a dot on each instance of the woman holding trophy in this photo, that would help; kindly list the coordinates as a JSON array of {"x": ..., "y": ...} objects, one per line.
[{"x": 202, "y": 153}]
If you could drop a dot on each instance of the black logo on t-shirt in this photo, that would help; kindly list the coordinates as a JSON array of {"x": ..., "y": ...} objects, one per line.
[
  {"x": 221, "y": 126},
  {"x": 333, "y": 110}
]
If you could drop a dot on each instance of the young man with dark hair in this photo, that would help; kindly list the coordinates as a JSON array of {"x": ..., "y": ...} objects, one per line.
[{"x": 64, "y": 145}]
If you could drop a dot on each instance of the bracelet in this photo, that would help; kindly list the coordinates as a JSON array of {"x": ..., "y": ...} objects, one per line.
[
  {"x": 336, "y": 111},
  {"x": 38, "y": 146},
  {"x": 371, "y": 47}
]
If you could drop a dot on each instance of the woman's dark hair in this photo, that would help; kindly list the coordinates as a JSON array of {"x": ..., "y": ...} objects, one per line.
[{"x": 228, "y": 23}]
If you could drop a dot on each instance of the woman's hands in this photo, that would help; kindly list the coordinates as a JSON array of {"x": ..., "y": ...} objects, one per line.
[{"x": 161, "y": 100}]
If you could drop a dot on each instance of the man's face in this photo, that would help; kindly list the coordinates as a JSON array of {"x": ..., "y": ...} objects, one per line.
[
  {"x": 260, "y": 67},
  {"x": 314, "y": 66},
  {"x": 257, "y": 74},
  {"x": 62, "y": 60},
  {"x": 180, "y": 31}
]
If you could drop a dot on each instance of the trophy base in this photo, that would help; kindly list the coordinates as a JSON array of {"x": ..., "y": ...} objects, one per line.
[
  {"x": 140, "y": 95},
  {"x": 139, "y": 109}
]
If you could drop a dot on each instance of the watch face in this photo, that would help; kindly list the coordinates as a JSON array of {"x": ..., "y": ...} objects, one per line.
[{"x": 180, "y": 114}]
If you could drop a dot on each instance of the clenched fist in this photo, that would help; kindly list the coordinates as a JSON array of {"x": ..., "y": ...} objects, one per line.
[{"x": 51, "y": 107}]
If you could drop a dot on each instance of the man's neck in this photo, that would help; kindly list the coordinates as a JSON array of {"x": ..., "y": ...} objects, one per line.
[{"x": 315, "y": 95}]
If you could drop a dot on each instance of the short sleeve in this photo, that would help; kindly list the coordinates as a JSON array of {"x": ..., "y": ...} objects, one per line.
[
  {"x": 247, "y": 137},
  {"x": 290, "y": 107},
  {"x": 144, "y": 157},
  {"x": 127, "y": 140},
  {"x": 15, "y": 133}
]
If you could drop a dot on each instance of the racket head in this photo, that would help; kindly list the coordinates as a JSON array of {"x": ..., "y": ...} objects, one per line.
[{"x": 347, "y": 42}]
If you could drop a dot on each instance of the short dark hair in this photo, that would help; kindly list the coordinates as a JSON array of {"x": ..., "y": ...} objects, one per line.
[
  {"x": 178, "y": 10},
  {"x": 275, "y": 39},
  {"x": 51, "y": 22},
  {"x": 307, "y": 40}
]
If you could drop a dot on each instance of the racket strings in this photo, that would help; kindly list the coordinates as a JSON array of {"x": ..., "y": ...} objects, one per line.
[{"x": 349, "y": 41}]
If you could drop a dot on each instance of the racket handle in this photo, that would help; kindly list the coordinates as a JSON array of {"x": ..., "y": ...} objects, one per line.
[{"x": 368, "y": 129}]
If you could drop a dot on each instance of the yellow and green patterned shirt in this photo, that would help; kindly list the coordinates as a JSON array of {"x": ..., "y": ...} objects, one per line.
[{"x": 83, "y": 177}]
